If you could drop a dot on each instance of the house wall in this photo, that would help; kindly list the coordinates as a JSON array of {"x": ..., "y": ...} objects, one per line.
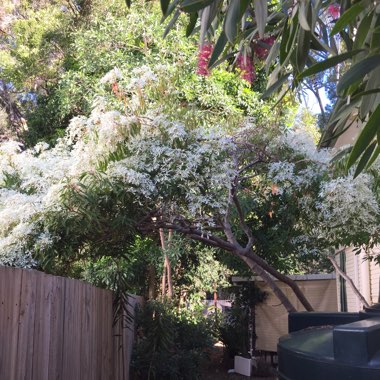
[
  {"x": 366, "y": 276},
  {"x": 272, "y": 317}
]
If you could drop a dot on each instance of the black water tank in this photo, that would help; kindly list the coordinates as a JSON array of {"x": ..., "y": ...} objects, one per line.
[{"x": 329, "y": 350}]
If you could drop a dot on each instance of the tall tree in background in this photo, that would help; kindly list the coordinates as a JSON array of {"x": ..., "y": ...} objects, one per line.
[{"x": 310, "y": 37}]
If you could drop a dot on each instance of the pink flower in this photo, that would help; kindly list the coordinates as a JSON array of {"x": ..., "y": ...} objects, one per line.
[
  {"x": 334, "y": 10},
  {"x": 204, "y": 55},
  {"x": 261, "y": 49},
  {"x": 247, "y": 69}
]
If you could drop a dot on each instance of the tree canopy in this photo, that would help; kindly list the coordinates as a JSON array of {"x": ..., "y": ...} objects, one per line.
[
  {"x": 303, "y": 39},
  {"x": 114, "y": 175}
]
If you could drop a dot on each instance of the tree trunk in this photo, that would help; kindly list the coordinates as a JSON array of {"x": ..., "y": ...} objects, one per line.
[
  {"x": 281, "y": 277},
  {"x": 349, "y": 281},
  {"x": 270, "y": 282},
  {"x": 169, "y": 267},
  {"x": 163, "y": 280},
  {"x": 151, "y": 282},
  {"x": 167, "y": 273}
]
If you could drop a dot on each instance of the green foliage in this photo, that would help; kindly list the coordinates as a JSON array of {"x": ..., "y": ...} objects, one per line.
[
  {"x": 234, "y": 329},
  {"x": 78, "y": 54},
  {"x": 305, "y": 45},
  {"x": 133, "y": 266},
  {"x": 170, "y": 345}
]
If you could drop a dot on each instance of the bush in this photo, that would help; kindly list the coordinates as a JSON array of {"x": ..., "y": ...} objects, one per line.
[{"x": 170, "y": 346}]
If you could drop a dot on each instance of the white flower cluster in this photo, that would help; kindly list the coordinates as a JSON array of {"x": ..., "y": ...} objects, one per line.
[
  {"x": 112, "y": 76},
  {"x": 348, "y": 206},
  {"x": 163, "y": 162},
  {"x": 301, "y": 143}
]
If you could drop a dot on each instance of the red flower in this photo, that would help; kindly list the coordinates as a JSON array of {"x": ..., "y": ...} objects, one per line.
[
  {"x": 262, "y": 47},
  {"x": 247, "y": 69},
  {"x": 204, "y": 55},
  {"x": 334, "y": 10}
]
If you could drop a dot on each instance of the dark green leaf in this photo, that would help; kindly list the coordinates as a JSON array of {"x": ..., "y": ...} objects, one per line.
[
  {"x": 172, "y": 6},
  {"x": 316, "y": 44},
  {"x": 343, "y": 109},
  {"x": 374, "y": 156},
  {"x": 375, "y": 40},
  {"x": 172, "y": 22},
  {"x": 347, "y": 40},
  {"x": 357, "y": 72},
  {"x": 342, "y": 154},
  {"x": 275, "y": 86},
  {"x": 284, "y": 42},
  {"x": 233, "y": 17},
  {"x": 191, "y": 6},
  {"x": 346, "y": 18},
  {"x": 221, "y": 60},
  {"x": 128, "y": 2},
  {"x": 371, "y": 100},
  {"x": 366, "y": 136},
  {"x": 303, "y": 14},
  {"x": 363, "y": 30},
  {"x": 261, "y": 15},
  {"x": 218, "y": 49},
  {"x": 303, "y": 47},
  {"x": 365, "y": 159},
  {"x": 326, "y": 64},
  {"x": 193, "y": 17},
  {"x": 164, "y": 5}
]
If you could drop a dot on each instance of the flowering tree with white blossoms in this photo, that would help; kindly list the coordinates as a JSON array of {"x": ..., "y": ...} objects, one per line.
[{"x": 116, "y": 174}]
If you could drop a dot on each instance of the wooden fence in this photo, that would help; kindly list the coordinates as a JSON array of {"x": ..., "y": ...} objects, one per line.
[{"x": 55, "y": 328}]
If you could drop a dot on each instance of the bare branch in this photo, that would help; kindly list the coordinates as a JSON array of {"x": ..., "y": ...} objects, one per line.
[
  {"x": 250, "y": 165},
  {"x": 349, "y": 281}
]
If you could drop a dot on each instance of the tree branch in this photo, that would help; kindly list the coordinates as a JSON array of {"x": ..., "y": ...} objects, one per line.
[{"x": 349, "y": 281}]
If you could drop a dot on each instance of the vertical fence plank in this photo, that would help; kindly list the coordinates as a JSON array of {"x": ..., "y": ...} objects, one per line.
[
  {"x": 71, "y": 343},
  {"x": 85, "y": 333},
  {"x": 54, "y": 328},
  {"x": 42, "y": 331},
  {"x": 57, "y": 317},
  {"x": 25, "y": 354},
  {"x": 10, "y": 289}
]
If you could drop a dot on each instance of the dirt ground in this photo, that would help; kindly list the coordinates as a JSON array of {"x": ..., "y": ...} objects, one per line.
[{"x": 217, "y": 368}]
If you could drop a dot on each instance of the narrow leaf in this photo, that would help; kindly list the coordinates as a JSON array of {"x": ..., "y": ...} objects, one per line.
[
  {"x": 358, "y": 71},
  {"x": 261, "y": 14},
  {"x": 365, "y": 159},
  {"x": 275, "y": 86},
  {"x": 193, "y": 17},
  {"x": 326, "y": 64},
  {"x": 172, "y": 22},
  {"x": 284, "y": 41},
  {"x": 374, "y": 156},
  {"x": 371, "y": 100},
  {"x": 171, "y": 7},
  {"x": 164, "y": 5},
  {"x": 218, "y": 49},
  {"x": 363, "y": 30},
  {"x": 303, "y": 15},
  {"x": 231, "y": 22},
  {"x": 303, "y": 47},
  {"x": 346, "y": 18},
  {"x": 128, "y": 2},
  {"x": 366, "y": 136},
  {"x": 204, "y": 24},
  {"x": 190, "y": 6}
]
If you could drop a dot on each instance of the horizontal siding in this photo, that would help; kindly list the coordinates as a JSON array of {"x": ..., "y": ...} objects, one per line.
[
  {"x": 272, "y": 317},
  {"x": 375, "y": 277},
  {"x": 352, "y": 303}
]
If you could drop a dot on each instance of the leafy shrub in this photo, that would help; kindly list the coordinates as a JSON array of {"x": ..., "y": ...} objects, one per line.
[
  {"x": 234, "y": 329},
  {"x": 170, "y": 345}
]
